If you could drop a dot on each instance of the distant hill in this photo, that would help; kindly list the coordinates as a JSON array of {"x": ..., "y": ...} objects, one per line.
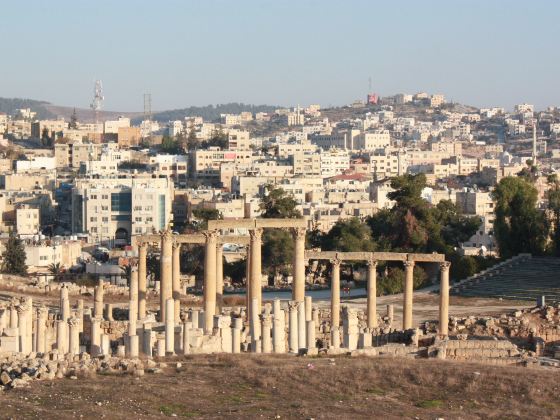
[
  {"x": 210, "y": 112},
  {"x": 46, "y": 110},
  {"x": 11, "y": 105}
]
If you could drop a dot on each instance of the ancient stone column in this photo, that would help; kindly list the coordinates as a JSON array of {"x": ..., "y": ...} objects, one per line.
[
  {"x": 407, "y": 295},
  {"x": 254, "y": 321},
  {"x": 13, "y": 315},
  {"x": 105, "y": 344},
  {"x": 142, "y": 280},
  {"x": 147, "y": 340},
  {"x": 335, "y": 337},
  {"x": 29, "y": 323},
  {"x": 236, "y": 335},
  {"x": 210, "y": 280},
  {"x": 219, "y": 278},
  {"x": 302, "y": 336},
  {"x": 335, "y": 293},
  {"x": 350, "y": 328},
  {"x": 62, "y": 336},
  {"x": 298, "y": 286},
  {"x": 95, "y": 347},
  {"x": 133, "y": 346},
  {"x": 444, "y": 298},
  {"x": 390, "y": 313},
  {"x": 311, "y": 341},
  {"x": 74, "y": 335},
  {"x": 109, "y": 311},
  {"x": 98, "y": 300},
  {"x": 177, "y": 279},
  {"x": 278, "y": 328},
  {"x": 169, "y": 327},
  {"x": 80, "y": 314},
  {"x": 133, "y": 294},
  {"x": 160, "y": 347},
  {"x": 64, "y": 303},
  {"x": 22, "y": 328},
  {"x": 194, "y": 318},
  {"x": 166, "y": 277},
  {"x": 372, "y": 294},
  {"x": 308, "y": 308},
  {"x": 41, "y": 330},
  {"x": 293, "y": 327},
  {"x": 256, "y": 270},
  {"x": 248, "y": 283},
  {"x": 187, "y": 327},
  {"x": 266, "y": 320}
]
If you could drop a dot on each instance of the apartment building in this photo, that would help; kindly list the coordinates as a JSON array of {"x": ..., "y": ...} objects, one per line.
[
  {"x": 372, "y": 140},
  {"x": 111, "y": 210}
]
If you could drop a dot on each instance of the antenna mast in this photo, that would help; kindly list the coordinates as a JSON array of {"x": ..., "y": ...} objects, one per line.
[{"x": 98, "y": 99}]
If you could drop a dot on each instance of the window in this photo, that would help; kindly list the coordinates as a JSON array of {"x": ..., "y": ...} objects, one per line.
[
  {"x": 93, "y": 219},
  {"x": 121, "y": 202},
  {"x": 94, "y": 196},
  {"x": 104, "y": 219},
  {"x": 104, "y": 208},
  {"x": 120, "y": 218},
  {"x": 138, "y": 219}
]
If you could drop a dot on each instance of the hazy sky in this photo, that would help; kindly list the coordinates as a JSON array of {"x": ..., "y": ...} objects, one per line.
[{"x": 483, "y": 52}]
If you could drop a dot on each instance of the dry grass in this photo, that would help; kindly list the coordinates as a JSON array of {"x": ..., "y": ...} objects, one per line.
[{"x": 250, "y": 386}]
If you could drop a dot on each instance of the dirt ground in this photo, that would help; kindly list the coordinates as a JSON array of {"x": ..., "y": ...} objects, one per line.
[{"x": 269, "y": 387}]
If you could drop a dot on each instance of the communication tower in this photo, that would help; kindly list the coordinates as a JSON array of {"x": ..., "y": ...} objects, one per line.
[{"x": 98, "y": 99}]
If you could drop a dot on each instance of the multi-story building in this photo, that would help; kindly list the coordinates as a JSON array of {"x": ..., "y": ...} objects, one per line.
[
  {"x": 28, "y": 221},
  {"x": 111, "y": 210},
  {"x": 372, "y": 140}
]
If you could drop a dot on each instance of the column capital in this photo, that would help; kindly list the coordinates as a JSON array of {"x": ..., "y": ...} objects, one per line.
[
  {"x": 444, "y": 265},
  {"x": 372, "y": 263},
  {"x": 299, "y": 233},
  {"x": 166, "y": 235},
  {"x": 336, "y": 262},
  {"x": 142, "y": 244},
  {"x": 408, "y": 263},
  {"x": 256, "y": 234},
  {"x": 292, "y": 306},
  {"x": 73, "y": 322},
  {"x": 210, "y": 234},
  {"x": 42, "y": 311},
  {"x": 177, "y": 245}
]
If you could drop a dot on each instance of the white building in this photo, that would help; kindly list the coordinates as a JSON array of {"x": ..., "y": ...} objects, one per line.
[{"x": 110, "y": 210}]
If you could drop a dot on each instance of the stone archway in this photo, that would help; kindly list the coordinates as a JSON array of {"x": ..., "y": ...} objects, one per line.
[{"x": 121, "y": 236}]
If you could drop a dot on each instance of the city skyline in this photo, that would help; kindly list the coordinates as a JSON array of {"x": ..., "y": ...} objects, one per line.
[{"x": 190, "y": 53}]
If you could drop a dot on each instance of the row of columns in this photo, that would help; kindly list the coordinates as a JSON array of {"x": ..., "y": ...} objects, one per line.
[
  {"x": 213, "y": 280},
  {"x": 371, "y": 306},
  {"x": 213, "y": 273}
]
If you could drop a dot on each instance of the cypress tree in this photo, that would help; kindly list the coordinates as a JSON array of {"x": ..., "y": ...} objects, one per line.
[{"x": 14, "y": 256}]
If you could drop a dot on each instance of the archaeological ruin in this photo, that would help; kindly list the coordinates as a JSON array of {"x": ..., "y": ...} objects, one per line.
[{"x": 78, "y": 332}]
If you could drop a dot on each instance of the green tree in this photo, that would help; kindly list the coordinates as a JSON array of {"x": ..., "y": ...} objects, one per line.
[
  {"x": 347, "y": 236},
  {"x": 192, "y": 140},
  {"x": 202, "y": 215},
  {"x": 56, "y": 270},
  {"x": 519, "y": 226},
  {"x": 236, "y": 270},
  {"x": 169, "y": 145},
  {"x": 277, "y": 204},
  {"x": 13, "y": 257},
  {"x": 218, "y": 139},
  {"x": 278, "y": 251},
  {"x": 393, "y": 282},
  {"x": 553, "y": 196}
]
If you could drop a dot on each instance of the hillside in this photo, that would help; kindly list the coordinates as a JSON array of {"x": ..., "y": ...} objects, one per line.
[
  {"x": 47, "y": 110},
  {"x": 211, "y": 112},
  {"x": 10, "y": 105}
]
